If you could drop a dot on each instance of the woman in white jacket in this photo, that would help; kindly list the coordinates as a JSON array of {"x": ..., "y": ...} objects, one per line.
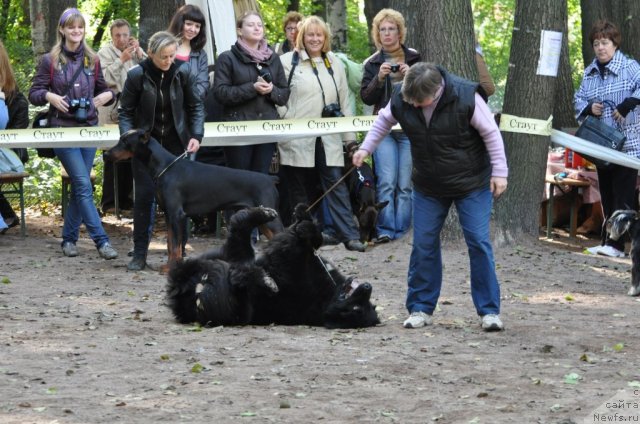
[{"x": 318, "y": 84}]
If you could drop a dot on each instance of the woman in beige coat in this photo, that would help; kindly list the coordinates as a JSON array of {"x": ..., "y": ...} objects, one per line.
[{"x": 318, "y": 84}]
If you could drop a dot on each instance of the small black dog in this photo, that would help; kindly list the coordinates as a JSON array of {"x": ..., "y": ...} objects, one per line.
[
  {"x": 287, "y": 284},
  {"x": 363, "y": 201},
  {"x": 627, "y": 221},
  {"x": 186, "y": 188}
]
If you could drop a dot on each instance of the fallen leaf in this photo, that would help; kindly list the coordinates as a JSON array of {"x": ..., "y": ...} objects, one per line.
[
  {"x": 164, "y": 357},
  {"x": 572, "y": 378},
  {"x": 248, "y": 414},
  {"x": 634, "y": 384},
  {"x": 196, "y": 368},
  {"x": 5, "y": 280},
  {"x": 569, "y": 298},
  {"x": 618, "y": 347}
]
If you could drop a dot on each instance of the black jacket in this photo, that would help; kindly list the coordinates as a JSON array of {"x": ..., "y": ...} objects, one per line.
[
  {"x": 378, "y": 93},
  {"x": 139, "y": 97},
  {"x": 233, "y": 86},
  {"x": 18, "y": 108},
  {"x": 450, "y": 158}
]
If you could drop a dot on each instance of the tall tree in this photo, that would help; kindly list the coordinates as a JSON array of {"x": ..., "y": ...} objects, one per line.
[
  {"x": 563, "y": 116},
  {"x": 336, "y": 11},
  {"x": 625, "y": 14},
  {"x": 44, "y": 21},
  {"x": 155, "y": 16},
  {"x": 516, "y": 212},
  {"x": 442, "y": 31}
]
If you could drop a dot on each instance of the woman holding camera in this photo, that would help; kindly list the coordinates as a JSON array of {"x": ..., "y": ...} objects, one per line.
[
  {"x": 250, "y": 83},
  {"x": 392, "y": 158},
  {"x": 319, "y": 88},
  {"x": 69, "y": 78}
]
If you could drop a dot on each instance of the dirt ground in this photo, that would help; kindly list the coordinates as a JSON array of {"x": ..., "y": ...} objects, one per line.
[{"x": 83, "y": 340}]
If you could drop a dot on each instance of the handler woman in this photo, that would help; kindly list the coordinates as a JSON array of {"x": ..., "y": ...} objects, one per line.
[
  {"x": 612, "y": 78},
  {"x": 69, "y": 78},
  {"x": 160, "y": 96}
]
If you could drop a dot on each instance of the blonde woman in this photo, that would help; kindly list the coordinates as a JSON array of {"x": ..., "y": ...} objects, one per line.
[
  {"x": 392, "y": 159},
  {"x": 70, "y": 79},
  {"x": 318, "y": 84}
]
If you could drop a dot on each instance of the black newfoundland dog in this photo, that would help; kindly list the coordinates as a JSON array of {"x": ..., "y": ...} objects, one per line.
[{"x": 288, "y": 283}]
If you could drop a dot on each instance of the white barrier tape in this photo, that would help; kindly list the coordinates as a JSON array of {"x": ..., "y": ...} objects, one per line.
[
  {"x": 237, "y": 133},
  {"x": 512, "y": 123},
  {"x": 591, "y": 149}
]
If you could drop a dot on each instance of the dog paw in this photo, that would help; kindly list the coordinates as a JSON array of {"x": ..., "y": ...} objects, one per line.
[
  {"x": 634, "y": 291},
  {"x": 270, "y": 282}
]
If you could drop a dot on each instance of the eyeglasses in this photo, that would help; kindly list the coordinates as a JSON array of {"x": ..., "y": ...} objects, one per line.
[
  {"x": 604, "y": 42},
  {"x": 391, "y": 29},
  {"x": 291, "y": 29}
]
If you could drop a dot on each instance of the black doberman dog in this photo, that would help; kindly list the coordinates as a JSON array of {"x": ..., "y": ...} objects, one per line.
[
  {"x": 186, "y": 188},
  {"x": 624, "y": 222},
  {"x": 363, "y": 201}
]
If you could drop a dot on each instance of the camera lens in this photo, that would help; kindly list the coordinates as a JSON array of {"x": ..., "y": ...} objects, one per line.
[{"x": 395, "y": 68}]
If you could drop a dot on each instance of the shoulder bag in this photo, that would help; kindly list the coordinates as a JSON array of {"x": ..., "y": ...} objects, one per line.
[{"x": 596, "y": 131}]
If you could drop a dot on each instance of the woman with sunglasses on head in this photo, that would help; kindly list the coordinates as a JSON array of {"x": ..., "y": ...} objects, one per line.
[{"x": 70, "y": 79}]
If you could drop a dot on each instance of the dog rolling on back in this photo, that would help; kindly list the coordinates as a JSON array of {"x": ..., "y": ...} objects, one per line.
[
  {"x": 287, "y": 284},
  {"x": 363, "y": 201},
  {"x": 620, "y": 223}
]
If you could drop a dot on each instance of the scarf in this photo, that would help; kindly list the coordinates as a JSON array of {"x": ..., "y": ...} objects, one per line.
[{"x": 261, "y": 54}]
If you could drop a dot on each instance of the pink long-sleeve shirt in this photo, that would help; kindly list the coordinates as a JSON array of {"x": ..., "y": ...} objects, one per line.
[{"x": 482, "y": 120}]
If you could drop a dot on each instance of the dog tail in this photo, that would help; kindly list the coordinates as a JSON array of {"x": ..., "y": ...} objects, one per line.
[
  {"x": 620, "y": 222},
  {"x": 192, "y": 292}
]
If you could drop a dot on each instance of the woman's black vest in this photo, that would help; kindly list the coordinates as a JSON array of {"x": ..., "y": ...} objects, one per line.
[{"x": 450, "y": 158}]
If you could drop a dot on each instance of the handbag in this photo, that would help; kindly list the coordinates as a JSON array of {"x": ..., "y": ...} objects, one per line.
[{"x": 596, "y": 131}]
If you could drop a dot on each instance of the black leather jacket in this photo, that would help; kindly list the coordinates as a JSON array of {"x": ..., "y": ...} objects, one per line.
[{"x": 138, "y": 102}]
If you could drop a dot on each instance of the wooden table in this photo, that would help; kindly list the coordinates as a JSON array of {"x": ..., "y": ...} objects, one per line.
[{"x": 569, "y": 186}]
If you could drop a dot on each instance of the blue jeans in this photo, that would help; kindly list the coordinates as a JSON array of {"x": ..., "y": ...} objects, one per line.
[
  {"x": 425, "y": 265},
  {"x": 393, "y": 166},
  {"x": 78, "y": 161}
]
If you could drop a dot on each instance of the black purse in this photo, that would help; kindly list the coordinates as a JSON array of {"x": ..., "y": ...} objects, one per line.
[{"x": 596, "y": 131}]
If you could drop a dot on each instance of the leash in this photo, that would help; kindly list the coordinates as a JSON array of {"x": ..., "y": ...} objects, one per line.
[
  {"x": 317, "y": 254},
  {"x": 331, "y": 188},
  {"x": 182, "y": 156}
]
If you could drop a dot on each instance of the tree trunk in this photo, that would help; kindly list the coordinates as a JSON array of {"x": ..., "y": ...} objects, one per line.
[
  {"x": 102, "y": 26},
  {"x": 563, "y": 116},
  {"x": 44, "y": 20},
  {"x": 155, "y": 16},
  {"x": 336, "y": 11},
  {"x": 531, "y": 96},
  {"x": 4, "y": 18},
  {"x": 294, "y": 6},
  {"x": 442, "y": 31},
  {"x": 625, "y": 14}
]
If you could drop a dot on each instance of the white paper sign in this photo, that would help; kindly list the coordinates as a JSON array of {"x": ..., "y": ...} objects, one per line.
[{"x": 550, "y": 47}]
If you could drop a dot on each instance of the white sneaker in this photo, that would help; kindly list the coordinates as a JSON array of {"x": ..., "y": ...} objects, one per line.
[
  {"x": 611, "y": 251},
  {"x": 492, "y": 322},
  {"x": 417, "y": 319},
  {"x": 594, "y": 250}
]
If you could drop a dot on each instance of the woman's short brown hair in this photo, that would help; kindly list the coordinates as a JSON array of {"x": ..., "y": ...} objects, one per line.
[
  {"x": 605, "y": 29},
  {"x": 292, "y": 16},
  {"x": 306, "y": 24},
  {"x": 391, "y": 16},
  {"x": 422, "y": 81}
]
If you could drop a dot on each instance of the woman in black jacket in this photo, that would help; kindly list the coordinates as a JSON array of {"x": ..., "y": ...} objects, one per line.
[
  {"x": 160, "y": 96},
  {"x": 250, "y": 83},
  {"x": 18, "y": 110}
]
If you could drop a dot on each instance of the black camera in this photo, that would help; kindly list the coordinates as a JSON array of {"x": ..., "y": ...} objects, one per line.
[
  {"x": 80, "y": 108},
  {"x": 332, "y": 111},
  {"x": 265, "y": 75},
  {"x": 395, "y": 68}
]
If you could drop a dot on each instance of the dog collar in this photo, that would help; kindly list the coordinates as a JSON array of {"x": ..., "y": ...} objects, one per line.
[{"x": 182, "y": 156}]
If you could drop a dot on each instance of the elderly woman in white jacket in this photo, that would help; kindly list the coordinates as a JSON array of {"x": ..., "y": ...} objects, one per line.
[{"x": 318, "y": 84}]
